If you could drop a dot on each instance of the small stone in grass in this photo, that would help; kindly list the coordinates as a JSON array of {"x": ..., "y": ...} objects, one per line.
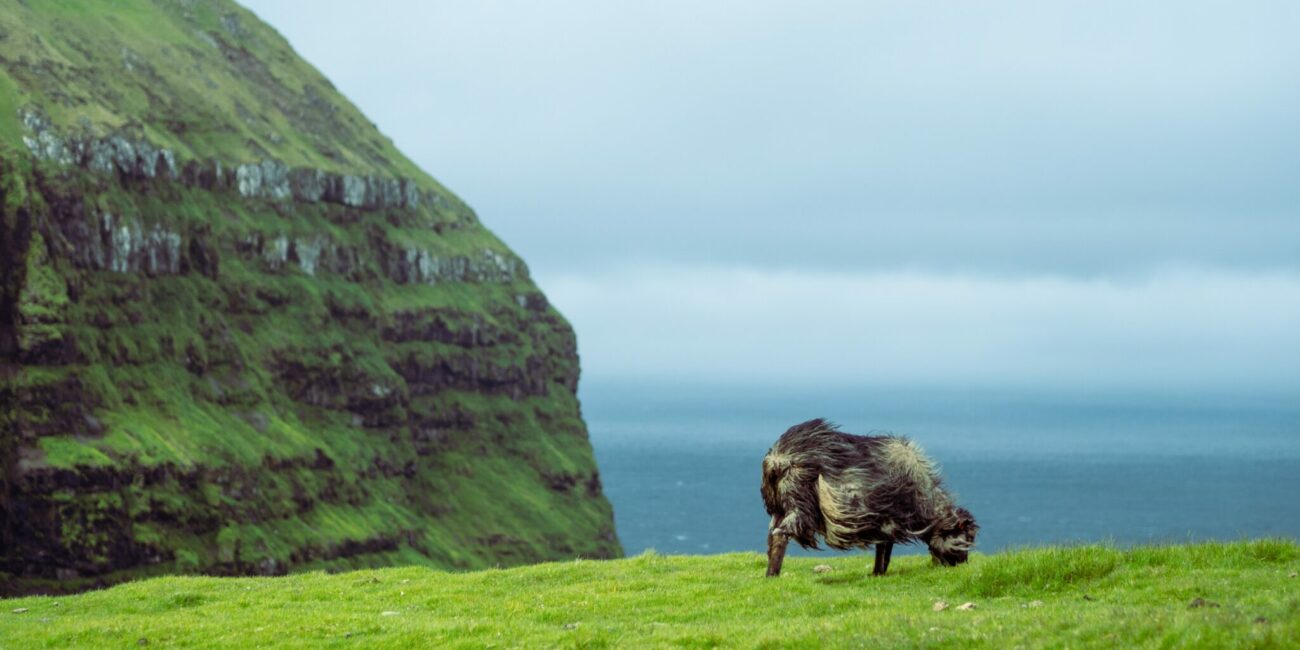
[
  {"x": 1033, "y": 603},
  {"x": 966, "y": 607},
  {"x": 571, "y": 626},
  {"x": 939, "y": 606},
  {"x": 822, "y": 568},
  {"x": 142, "y": 641},
  {"x": 20, "y": 610}
]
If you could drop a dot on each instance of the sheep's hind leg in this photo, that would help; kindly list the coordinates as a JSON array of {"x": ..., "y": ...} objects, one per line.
[
  {"x": 883, "y": 551},
  {"x": 776, "y": 543}
]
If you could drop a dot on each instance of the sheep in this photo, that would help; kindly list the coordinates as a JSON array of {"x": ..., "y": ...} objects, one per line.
[{"x": 858, "y": 491}]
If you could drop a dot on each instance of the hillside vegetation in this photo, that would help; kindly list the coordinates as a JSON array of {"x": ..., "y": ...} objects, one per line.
[
  {"x": 204, "y": 79},
  {"x": 241, "y": 333},
  {"x": 1242, "y": 594}
]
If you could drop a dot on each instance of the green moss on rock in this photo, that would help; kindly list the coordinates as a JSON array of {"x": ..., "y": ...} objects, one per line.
[{"x": 215, "y": 366}]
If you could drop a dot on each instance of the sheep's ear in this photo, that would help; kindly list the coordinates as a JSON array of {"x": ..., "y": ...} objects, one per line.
[{"x": 965, "y": 521}]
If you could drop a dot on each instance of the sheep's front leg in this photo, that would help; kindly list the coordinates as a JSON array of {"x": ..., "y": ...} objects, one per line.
[
  {"x": 883, "y": 551},
  {"x": 776, "y": 543}
]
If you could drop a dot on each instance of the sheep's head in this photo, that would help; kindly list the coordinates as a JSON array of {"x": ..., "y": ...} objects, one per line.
[{"x": 951, "y": 545}]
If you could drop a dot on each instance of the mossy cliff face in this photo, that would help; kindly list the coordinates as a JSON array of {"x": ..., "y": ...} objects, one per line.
[{"x": 241, "y": 333}]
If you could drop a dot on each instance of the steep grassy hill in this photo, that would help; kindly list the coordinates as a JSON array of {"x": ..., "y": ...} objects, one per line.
[
  {"x": 240, "y": 333},
  {"x": 1209, "y": 596}
]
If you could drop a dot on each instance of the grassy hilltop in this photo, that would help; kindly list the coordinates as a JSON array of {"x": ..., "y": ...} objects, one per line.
[
  {"x": 1205, "y": 595},
  {"x": 205, "y": 79}
]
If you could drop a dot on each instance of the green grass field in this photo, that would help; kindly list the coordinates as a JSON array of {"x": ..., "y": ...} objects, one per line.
[{"x": 1243, "y": 594}]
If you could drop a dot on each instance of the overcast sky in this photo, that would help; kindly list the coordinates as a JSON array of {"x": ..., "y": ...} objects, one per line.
[{"x": 1079, "y": 194}]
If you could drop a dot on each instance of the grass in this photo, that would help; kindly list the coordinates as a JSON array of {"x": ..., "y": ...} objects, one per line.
[
  {"x": 1090, "y": 596},
  {"x": 206, "y": 79}
]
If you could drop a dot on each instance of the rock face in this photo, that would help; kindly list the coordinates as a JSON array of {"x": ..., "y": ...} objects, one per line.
[
  {"x": 241, "y": 334},
  {"x": 269, "y": 179}
]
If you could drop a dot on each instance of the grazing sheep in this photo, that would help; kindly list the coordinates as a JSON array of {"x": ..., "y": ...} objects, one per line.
[{"x": 858, "y": 491}]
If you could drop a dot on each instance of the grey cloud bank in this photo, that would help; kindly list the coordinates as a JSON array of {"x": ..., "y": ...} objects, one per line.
[
  {"x": 1176, "y": 330},
  {"x": 1067, "y": 193}
]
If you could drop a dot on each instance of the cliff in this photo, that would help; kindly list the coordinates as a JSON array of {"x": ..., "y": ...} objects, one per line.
[{"x": 240, "y": 333}]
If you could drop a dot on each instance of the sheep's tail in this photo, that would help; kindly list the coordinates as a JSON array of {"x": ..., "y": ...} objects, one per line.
[
  {"x": 775, "y": 466},
  {"x": 789, "y": 499}
]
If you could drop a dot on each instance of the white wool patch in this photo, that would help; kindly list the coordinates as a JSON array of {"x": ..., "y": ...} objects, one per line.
[{"x": 843, "y": 520}]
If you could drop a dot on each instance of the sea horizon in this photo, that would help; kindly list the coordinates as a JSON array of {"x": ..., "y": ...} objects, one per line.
[{"x": 1041, "y": 466}]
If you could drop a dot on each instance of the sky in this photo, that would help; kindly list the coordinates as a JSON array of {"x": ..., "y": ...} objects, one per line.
[{"x": 1082, "y": 195}]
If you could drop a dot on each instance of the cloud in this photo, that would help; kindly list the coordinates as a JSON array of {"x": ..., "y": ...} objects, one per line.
[
  {"x": 1077, "y": 138},
  {"x": 1176, "y": 329}
]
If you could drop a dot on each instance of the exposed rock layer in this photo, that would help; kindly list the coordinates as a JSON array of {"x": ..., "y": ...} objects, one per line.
[{"x": 137, "y": 158}]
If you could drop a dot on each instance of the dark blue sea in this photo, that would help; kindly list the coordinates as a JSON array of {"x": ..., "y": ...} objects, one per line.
[{"x": 681, "y": 464}]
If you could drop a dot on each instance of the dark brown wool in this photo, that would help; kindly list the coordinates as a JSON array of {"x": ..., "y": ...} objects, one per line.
[{"x": 858, "y": 491}]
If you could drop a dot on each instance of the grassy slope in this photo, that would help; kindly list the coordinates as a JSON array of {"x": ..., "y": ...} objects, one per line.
[
  {"x": 206, "y": 79},
  {"x": 181, "y": 368},
  {"x": 1090, "y": 596}
]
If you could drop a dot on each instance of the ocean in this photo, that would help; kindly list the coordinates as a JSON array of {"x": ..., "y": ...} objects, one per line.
[{"x": 681, "y": 464}]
